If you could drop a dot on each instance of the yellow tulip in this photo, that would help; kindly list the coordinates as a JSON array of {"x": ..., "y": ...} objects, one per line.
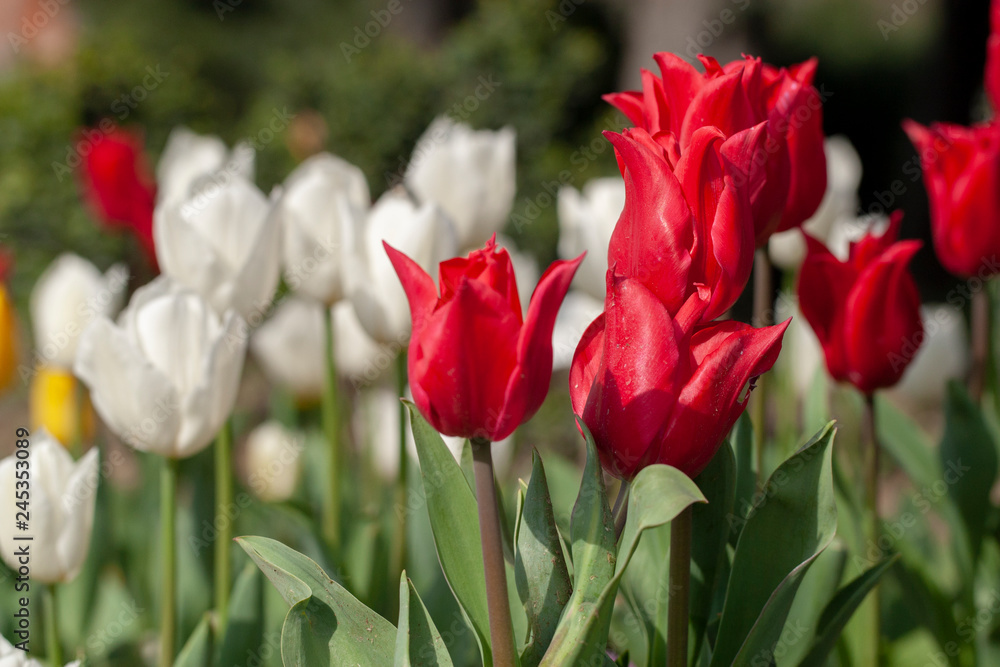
[
  {"x": 8, "y": 340},
  {"x": 60, "y": 404}
]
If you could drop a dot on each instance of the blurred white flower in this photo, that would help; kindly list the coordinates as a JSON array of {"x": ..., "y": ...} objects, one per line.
[
  {"x": 62, "y": 495},
  {"x": 376, "y": 423},
  {"x": 70, "y": 293},
  {"x": 289, "y": 347},
  {"x": 222, "y": 244},
  {"x": 469, "y": 173},
  {"x": 421, "y": 232},
  {"x": 586, "y": 221},
  {"x": 165, "y": 377},
  {"x": 525, "y": 270},
  {"x": 576, "y": 313},
  {"x": 838, "y": 207},
  {"x": 322, "y": 196},
  {"x": 801, "y": 354},
  {"x": 273, "y": 462},
  {"x": 192, "y": 162},
  {"x": 942, "y": 356}
]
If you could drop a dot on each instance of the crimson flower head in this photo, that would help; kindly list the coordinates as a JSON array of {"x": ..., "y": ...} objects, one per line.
[
  {"x": 685, "y": 222},
  {"x": 786, "y": 174},
  {"x": 866, "y": 310},
  {"x": 477, "y": 367},
  {"x": 655, "y": 387},
  {"x": 962, "y": 175},
  {"x": 117, "y": 183}
]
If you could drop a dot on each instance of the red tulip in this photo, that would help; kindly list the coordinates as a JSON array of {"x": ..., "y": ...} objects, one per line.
[
  {"x": 659, "y": 388},
  {"x": 476, "y": 367},
  {"x": 865, "y": 311},
  {"x": 686, "y": 223},
  {"x": 118, "y": 185},
  {"x": 962, "y": 176},
  {"x": 992, "y": 75},
  {"x": 786, "y": 175}
]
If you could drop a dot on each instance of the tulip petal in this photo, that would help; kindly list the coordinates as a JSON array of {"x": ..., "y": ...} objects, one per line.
[
  {"x": 586, "y": 363},
  {"x": 135, "y": 398},
  {"x": 418, "y": 285},
  {"x": 635, "y": 387},
  {"x": 824, "y": 283},
  {"x": 77, "y": 500},
  {"x": 728, "y": 355},
  {"x": 185, "y": 256},
  {"x": 882, "y": 320},
  {"x": 461, "y": 360},
  {"x": 529, "y": 383}
]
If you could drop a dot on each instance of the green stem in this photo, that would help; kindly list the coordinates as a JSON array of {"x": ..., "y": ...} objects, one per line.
[
  {"x": 331, "y": 429},
  {"x": 763, "y": 315},
  {"x": 620, "y": 511},
  {"x": 398, "y": 563},
  {"x": 680, "y": 586},
  {"x": 53, "y": 647},
  {"x": 501, "y": 628},
  {"x": 168, "y": 537},
  {"x": 871, "y": 500},
  {"x": 980, "y": 343},
  {"x": 223, "y": 505}
]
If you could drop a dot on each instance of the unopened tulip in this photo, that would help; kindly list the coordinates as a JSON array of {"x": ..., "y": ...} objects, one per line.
[
  {"x": 420, "y": 232},
  {"x": 70, "y": 293},
  {"x": 683, "y": 224},
  {"x": 118, "y": 185},
  {"x": 319, "y": 200},
  {"x": 58, "y": 403},
  {"x": 469, "y": 173},
  {"x": 478, "y": 367},
  {"x": 586, "y": 220},
  {"x": 961, "y": 171},
  {"x": 191, "y": 162},
  {"x": 63, "y": 493},
  {"x": 8, "y": 330},
  {"x": 222, "y": 243},
  {"x": 865, "y": 310},
  {"x": 164, "y": 378},
  {"x": 273, "y": 462},
  {"x": 288, "y": 345},
  {"x": 655, "y": 387}
]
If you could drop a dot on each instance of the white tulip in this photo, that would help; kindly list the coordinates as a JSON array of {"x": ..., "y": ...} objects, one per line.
[
  {"x": 61, "y": 498},
  {"x": 801, "y": 354},
  {"x": 273, "y": 462},
  {"x": 191, "y": 162},
  {"x": 838, "y": 207},
  {"x": 421, "y": 232},
  {"x": 165, "y": 377},
  {"x": 68, "y": 295},
  {"x": 942, "y": 356},
  {"x": 289, "y": 347},
  {"x": 223, "y": 244},
  {"x": 318, "y": 199},
  {"x": 470, "y": 174},
  {"x": 578, "y": 310},
  {"x": 586, "y": 221}
]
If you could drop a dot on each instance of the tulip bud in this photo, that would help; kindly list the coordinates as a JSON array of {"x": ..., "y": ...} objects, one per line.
[
  {"x": 191, "y": 161},
  {"x": 469, "y": 173},
  {"x": 155, "y": 393},
  {"x": 67, "y": 297},
  {"x": 59, "y": 404},
  {"x": 273, "y": 463},
  {"x": 62, "y": 495},
  {"x": 865, "y": 310},
  {"x": 478, "y": 367}
]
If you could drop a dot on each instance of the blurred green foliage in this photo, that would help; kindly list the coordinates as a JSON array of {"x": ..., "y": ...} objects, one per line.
[{"x": 228, "y": 67}]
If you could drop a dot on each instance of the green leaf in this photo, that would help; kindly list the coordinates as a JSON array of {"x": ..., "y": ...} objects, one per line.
[
  {"x": 839, "y": 611},
  {"x": 356, "y": 633},
  {"x": 658, "y": 494},
  {"x": 418, "y": 642},
  {"x": 710, "y": 527},
  {"x": 793, "y": 521},
  {"x": 197, "y": 651},
  {"x": 455, "y": 524},
  {"x": 906, "y": 443},
  {"x": 540, "y": 572},
  {"x": 969, "y": 463},
  {"x": 741, "y": 440},
  {"x": 245, "y": 623},
  {"x": 307, "y": 637},
  {"x": 818, "y": 587}
]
